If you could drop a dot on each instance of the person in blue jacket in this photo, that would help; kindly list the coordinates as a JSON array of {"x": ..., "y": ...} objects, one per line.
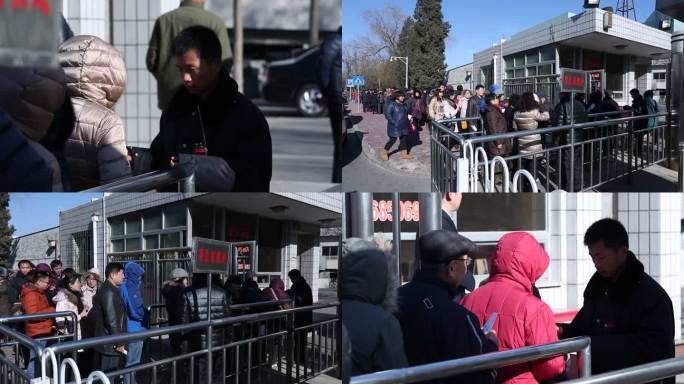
[{"x": 130, "y": 292}]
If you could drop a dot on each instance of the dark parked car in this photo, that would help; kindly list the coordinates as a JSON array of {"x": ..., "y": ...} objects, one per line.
[{"x": 294, "y": 82}]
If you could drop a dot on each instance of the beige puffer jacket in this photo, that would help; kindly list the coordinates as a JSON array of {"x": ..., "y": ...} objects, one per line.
[
  {"x": 523, "y": 121},
  {"x": 96, "y": 78},
  {"x": 32, "y": 97}
]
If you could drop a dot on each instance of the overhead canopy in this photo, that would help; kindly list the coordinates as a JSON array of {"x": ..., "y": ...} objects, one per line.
[{"x": 603, "y": 42}]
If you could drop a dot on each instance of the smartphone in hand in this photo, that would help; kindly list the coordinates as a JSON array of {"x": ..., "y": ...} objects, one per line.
[{"x": 489, "y": 324}]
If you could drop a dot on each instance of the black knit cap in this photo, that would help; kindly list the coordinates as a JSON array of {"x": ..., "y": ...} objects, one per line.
[{"x": 440, "y": 246}]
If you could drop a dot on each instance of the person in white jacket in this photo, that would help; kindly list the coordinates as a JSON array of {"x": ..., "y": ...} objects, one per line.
[
  {"x": 90, "y": 283},
  {"x": 68, "y": 299}
]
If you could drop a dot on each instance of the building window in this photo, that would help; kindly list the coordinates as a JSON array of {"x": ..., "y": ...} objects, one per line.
[
  {"x": 133, "y": 224},
  {"x": 537, "y": 62},
  {"x": 118, "y": 245},
  {"x": 133, "y": 244},
  {"x": 117, "y": 227},
  {"x": 524, "y": 212},
  {"x": 172, "y": 240},
  {"x": 202, "y": 221},
  {"x": 152, "y": 220},
  {"x": 174, "y": 216},
  {"x": 330, "y": 253},
  {"x": 659, "y": 76},
  {"x": 152, "y": 242}
]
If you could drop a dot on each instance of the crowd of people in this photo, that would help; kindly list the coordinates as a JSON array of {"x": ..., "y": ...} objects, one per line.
[
  {"x": 492, "y": 112},
  {"x": 626, "y": 313},
  {"x": 113, "y": 304}
]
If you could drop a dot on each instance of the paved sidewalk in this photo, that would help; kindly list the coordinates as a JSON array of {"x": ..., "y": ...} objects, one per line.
[{"x": 374, "y": 127}]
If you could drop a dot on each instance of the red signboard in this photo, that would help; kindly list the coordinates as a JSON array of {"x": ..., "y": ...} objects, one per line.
[
  {"x": 409, "y": 210},
  {"x": 210, "y": 256},
  {"x": 573, "y": 80}
]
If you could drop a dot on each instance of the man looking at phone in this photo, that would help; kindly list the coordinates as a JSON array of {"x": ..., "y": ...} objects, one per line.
[
  {"x": 522, "y": 319},
  {"x": 627, "y": 314},
  {"x": 435, "y": 328}
]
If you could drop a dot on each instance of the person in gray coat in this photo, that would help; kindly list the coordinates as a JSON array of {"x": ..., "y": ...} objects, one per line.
[{"x": 367, "y": 290}]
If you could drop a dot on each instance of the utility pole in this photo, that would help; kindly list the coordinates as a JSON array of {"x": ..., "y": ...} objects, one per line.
[
  {"x": 314, "y": 17},
  {"x": 238, "y": 45}
]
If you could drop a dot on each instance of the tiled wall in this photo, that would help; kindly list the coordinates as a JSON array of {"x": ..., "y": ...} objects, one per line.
[{"x": 34, "y": 247}]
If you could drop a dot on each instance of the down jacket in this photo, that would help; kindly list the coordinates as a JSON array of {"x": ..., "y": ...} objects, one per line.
[
  {"x": 96, "y": 78},
  {"x": 397, "y": 119},
  {"x": 31, "y": 97},
  {"x": 526, "y": 121},
  {"x": 523, "y": 320},
  {"x": 194, "y": 308},
  {"x": 33, "y": 301}
]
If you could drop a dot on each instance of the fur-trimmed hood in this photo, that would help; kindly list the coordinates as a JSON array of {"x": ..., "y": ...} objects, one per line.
[{"x": 369, "y": 275}]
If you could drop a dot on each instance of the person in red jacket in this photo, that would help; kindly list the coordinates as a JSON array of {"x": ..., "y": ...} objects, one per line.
[
  {"x": 522, "y": 319},
  {"x": 33, "y": 300}
]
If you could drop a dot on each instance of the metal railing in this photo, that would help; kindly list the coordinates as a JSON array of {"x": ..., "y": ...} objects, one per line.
[
  {"x": 10, "y": 370},
  {"x": 257, "y": 354},
  {"x": 609, "y": 149},
  {"x": 182, "y": 174},
  {"x": 444, "y": 369},
  {"x": 638, "y": 374}
]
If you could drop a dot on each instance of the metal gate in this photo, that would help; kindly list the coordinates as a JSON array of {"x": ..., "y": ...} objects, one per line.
[{"x": 549, "y": 84}]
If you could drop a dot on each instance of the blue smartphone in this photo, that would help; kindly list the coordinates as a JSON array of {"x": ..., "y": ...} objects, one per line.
[{"x": 490, "y": 323}]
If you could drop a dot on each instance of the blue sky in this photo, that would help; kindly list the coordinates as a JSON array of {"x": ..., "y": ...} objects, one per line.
[
  {"x": 475, "y": 25},
  {"x": 33, "y": 212}
]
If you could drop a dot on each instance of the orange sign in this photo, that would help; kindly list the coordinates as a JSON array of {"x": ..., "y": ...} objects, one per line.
[
  {"x": 41, "y": 5},
  {"x": 409, "y": 210}
]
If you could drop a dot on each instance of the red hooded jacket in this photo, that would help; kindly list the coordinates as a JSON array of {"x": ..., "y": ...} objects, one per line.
[
  {"x": 33, "y": 301},
  {"x": 523, "y": 320}
]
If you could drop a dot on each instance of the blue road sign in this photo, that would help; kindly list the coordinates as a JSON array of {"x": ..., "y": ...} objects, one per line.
[
  {"x": 359, "y": 80},
  {"x": 350, "y": 82}
]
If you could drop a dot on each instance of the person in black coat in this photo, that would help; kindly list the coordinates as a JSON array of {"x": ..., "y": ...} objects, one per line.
[
  {"x": 627, "y": 314},
  {"x": 110, "y": 318},
  {"x": 435, "y": 328},
  {"x": 565, "y": 112},
  {"x": 301, "y": 293},
  {"x": 211, "y": 123},
  {"x": 639, "y": 109},
  {"x": 330, "y": 79}
]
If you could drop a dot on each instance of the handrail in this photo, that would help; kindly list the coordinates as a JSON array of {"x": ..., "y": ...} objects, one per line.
[
  {"x": 183, "y": 173},
  {"x": 448, "y": 368},
  {"x": 261, "y": 304},
  {"x": 21, "y": 338},
  {"x": 112, "y": 339},
  {"x": 518, "y": 134},
  {"x": 37, "y": 316},
  {"x": 643, "y": 373}
]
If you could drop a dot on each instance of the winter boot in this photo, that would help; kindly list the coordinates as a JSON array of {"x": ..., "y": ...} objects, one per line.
[
  {"x": 384, "y": 155},
  {"x": 404, "y": 155}
]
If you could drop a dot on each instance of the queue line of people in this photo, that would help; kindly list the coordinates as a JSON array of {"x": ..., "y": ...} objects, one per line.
[{"x": 626, "y": 313}]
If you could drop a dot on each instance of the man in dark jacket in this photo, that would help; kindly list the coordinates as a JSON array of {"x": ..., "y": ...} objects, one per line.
[
  {"x": 570, "y": 111},
  {"x": 476, "y": 106},
  {"x": 110, "y": 318},
  {"x": 436, "y": 328},
  {"x": 209, "y": 120},
  {"x": 194, "y": 308},
  {"x": 627, "y": 314},
  {"x": 330, "y": 78},
  {"x": 301, "y": 293},
  {"x": 367, "y": 290},
  {"x": 639, "y": 108},
  {"x": 19, "y": 280}
]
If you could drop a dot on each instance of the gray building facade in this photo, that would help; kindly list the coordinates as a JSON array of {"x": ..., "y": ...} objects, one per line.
[{"x": 38, "y": 247}]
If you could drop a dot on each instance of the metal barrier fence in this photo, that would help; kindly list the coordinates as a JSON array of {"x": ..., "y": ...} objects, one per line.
[
  {"x": 285, "y": 351},
  {"x": 607, "y": 150},
  {"x": 445, "y": 369},
  {"x": 182, "y": 174},
  {"x": 638, "y": 374},
  {"x": 12, "y": 342}
]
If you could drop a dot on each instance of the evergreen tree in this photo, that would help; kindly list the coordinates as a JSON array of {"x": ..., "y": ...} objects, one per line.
[
  {"x": 428, "y": 66},
  {"x": 406, "y": 47},
  {"x": 6, "y": 230}
]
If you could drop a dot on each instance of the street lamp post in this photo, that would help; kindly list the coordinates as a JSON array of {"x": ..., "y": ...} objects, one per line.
[{"x": 405, "y": 60}]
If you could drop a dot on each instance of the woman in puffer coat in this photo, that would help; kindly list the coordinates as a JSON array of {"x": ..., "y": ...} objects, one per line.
[
  {"x": 96, "y": 78},
  {"x": 522, "y": 319},
  {"x": 527, "y": 118},
  {"x": 31, "y": 98},
  {"x": 68, "y": 299}
]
